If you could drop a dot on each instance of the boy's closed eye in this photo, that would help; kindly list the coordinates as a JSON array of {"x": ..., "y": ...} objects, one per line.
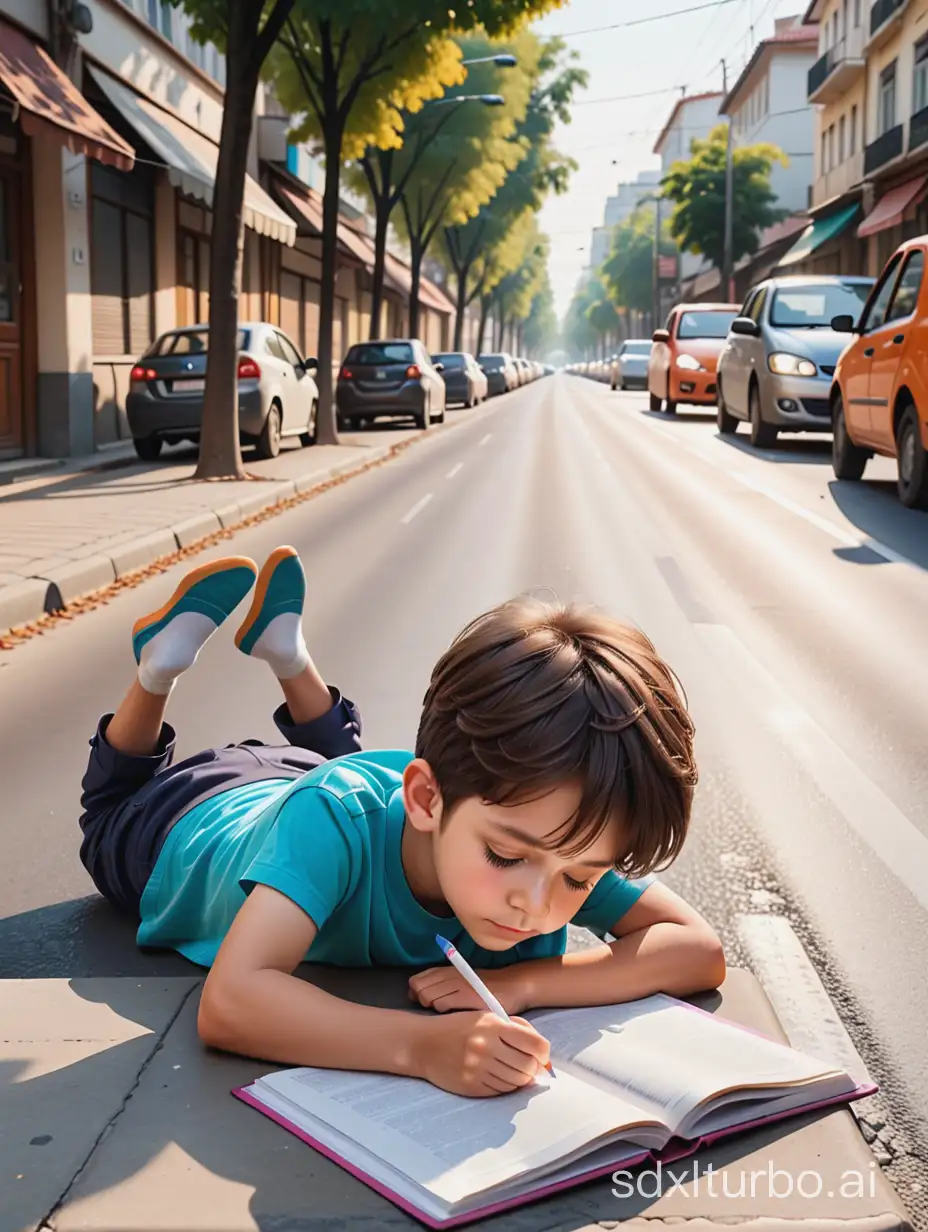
[{"x": 498, "y": 860}]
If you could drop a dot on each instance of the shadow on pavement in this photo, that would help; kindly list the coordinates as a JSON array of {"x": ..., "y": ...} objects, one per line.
[
  {"x": 681, "y": 417},
  {"x": 875, "y": 510},
  {"x": 802, "y": 450}
]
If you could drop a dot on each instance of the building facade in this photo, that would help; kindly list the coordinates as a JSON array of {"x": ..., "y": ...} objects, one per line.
[
  {"x": 108, "y": 150},
  {"x": 769, "y": 104},
  {"x": 692, "y": 119},
  {"x": 619, "y": 208}
]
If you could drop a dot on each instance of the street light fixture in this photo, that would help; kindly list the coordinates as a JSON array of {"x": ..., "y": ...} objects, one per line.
[
  {"x": 488, "y": 100},
  {"x": 502, "y": 61}
]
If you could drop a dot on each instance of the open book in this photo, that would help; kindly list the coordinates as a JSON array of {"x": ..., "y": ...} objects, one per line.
[{"x": 629, "y": 1079}]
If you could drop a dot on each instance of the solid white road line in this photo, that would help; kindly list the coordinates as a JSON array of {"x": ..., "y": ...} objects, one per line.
[
  {"x": 454, "y": 470},
  {"x": 485, "y": 439},
  {"x": 805, "y": 1010},
  {"x": 416, "y": 509},
  {"x": 870, "y": 813}
]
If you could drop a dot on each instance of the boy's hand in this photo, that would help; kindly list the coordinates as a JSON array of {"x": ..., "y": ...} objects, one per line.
[
  {"x": 443, "y": 989},
  {"x": 479, "y": 1055}
]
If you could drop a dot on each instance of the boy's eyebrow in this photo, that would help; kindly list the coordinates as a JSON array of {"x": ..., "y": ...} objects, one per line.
[{"x": 531, "y": 841}]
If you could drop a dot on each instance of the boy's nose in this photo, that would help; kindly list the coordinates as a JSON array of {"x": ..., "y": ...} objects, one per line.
[{"x": 533, "y": 898}]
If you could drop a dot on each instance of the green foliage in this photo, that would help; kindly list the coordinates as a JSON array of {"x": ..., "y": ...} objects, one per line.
[
  {"x": 628, "y": 271},
  {"x": 580, "y": 334},
  {"x": 541, "y": 326},
  {"x": 697, "y": 187},
  {"x": 359, "y": 65}
]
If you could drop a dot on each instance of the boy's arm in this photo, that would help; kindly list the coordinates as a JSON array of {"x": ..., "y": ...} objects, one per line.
[
  {"x": 253, "y": 1004},
  {"x": 662, "y": 945}
]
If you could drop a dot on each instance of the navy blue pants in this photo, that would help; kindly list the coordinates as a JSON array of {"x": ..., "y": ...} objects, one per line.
[{"x": 130, "y": 804}]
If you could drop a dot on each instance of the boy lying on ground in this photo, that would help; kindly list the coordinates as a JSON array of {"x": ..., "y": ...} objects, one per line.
[{"x": 553, "y": 772}]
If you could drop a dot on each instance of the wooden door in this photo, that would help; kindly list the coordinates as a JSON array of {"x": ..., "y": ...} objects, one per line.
[{"x": 11, "y": 399}]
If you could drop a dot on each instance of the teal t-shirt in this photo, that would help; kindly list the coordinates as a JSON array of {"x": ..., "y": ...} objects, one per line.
[{"x": 331, "y": 842}]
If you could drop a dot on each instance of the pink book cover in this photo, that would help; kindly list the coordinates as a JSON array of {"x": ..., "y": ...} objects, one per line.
[{"x": 676, "y": 1149}]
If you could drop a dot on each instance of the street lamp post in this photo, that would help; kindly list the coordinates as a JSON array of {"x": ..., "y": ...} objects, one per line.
[{"x": 501, "y": 61}]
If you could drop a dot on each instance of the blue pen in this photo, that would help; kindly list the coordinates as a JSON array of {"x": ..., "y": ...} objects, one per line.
[{"x": 466, "y": 970}]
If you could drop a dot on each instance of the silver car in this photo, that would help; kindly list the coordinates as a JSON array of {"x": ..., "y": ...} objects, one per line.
[
  {"x": 277, "y": 396},
  {"x": 780, "y": 355},
  {"x": 630, "y": 366}
]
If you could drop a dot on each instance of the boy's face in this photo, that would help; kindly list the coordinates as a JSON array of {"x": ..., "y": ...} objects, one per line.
[{"x": 500, "y": 877}]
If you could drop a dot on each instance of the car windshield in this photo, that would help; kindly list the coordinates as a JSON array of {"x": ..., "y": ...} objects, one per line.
[
  {"x": 450, "y": 361},
  {"x": 705, "y": 324},
  {"x": 381, "y": 353},
  {"x": 190, "y": 342},
  {"x": 491, "y": 361},
  {"x": 815, "y": 306},
  {"x": 636, "y": 348}
]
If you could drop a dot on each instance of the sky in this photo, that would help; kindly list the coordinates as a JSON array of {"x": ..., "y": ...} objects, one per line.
[{"x": 613, "y": 140}]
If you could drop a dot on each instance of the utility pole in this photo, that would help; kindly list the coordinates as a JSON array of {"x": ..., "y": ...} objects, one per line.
[
  {"x": 727, "y": 263},
  {"x": 656, "y": 272}
]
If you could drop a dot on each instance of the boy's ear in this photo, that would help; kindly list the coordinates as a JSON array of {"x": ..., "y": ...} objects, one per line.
[{"x": 421, "y": 796}]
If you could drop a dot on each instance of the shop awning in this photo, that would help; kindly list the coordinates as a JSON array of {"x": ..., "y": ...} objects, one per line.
[
  {"x": 50, "y": 105},
  {"x": 306, "y": 205},
  {"x": 190, "y": 158},
  {"x": 889, "y": 210},
  {"x": 819, "y": 232}
]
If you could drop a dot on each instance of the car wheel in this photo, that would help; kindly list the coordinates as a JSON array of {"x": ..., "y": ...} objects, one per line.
[
  {"x": 656, "y": 403},
  {"x": 763, "y": 435},
  {"x": 670, "y": 407},
  {"x": 148, "y": 448},
  {"x": 847, "y": 459},
  {"x": 913, "y": 461},
  {"x": 424, "y": 418},
  {"x": 727, "y": 424},
  {"x": 309, "y": 436},
  {"x": 440, "y": 418},
  {"x": 268, "y": 445}
]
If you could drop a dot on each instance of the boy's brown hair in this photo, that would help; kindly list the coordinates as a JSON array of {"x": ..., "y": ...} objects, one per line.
[{"x": 532, "y": 695}]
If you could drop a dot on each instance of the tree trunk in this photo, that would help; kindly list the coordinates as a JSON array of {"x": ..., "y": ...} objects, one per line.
[
  {"x": 416, "y": 255},
  {"x": 382, "y": 224},
  {"x": 461, "y": 310},
  {"x": 220, "y": 455},
  {"x": 482, "y": 329},
  {"x": 327, "y": 430}
]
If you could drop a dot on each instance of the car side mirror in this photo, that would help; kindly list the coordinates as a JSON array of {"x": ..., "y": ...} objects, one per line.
[
  {"x": 439, "y": 367},
  {"x": 746, "y": 326},
  {"x": 661, "y": 335},
  {"x": 311, "y": 365},
  {"x": 844, "y": 324}
]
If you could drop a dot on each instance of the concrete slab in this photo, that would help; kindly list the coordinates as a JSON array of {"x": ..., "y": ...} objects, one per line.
[
  {"x": 143, "y": 551},
  {"x": 183, "y": 1155},
  {"x": 21, "y": 602},
  {"x": 189, "y": 530},
  {"x": 229, "y": 514},
  {"x": 81, "y": 576},
  {"x": 262, "y": 498},
  {"x": 70, "y": 1054}
]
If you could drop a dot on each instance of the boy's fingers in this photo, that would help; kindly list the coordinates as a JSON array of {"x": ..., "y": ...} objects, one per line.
[
  {"x": 522, "y": 1036},
  {"x": 505, "y": 1078}
]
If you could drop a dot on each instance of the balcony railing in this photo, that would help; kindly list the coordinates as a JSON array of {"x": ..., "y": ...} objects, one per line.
[
  {"x": 882, "y": 12},
  {"x": 918, "y": 129},
  {"x": 884, "y": 149},
  {"x": 821, "y": 71}
]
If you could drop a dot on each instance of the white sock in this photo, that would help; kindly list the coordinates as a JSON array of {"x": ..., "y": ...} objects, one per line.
[
  {"x": 281, "y": 645},
  {"x": 169, "y": 653}
]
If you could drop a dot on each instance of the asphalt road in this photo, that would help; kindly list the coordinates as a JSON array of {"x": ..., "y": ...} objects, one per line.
[{"x": 792, "y": 608}]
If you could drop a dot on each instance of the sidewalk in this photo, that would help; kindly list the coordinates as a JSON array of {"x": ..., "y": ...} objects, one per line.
[
  {"x": 86, "y": 525},
  {"x": 114, "y": 1118}
]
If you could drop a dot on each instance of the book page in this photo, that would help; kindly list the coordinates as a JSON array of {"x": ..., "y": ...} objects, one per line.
[
  {"x": 454, "y": 1147},
  {"x": 669, "y": 1058}
]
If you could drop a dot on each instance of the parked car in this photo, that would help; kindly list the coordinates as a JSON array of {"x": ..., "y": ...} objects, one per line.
[
  {"x": 879, "y": 401},
  {"x": 465, "y": 381},
  {"x": 685, "y": 354},
  {"x": 394, "y": 378},
  {"x": 277, "y": 396},
  {"x": 629, "y": 369},
  {"x": 780, "y": 357},
  {"x": 501, "y": 372}
]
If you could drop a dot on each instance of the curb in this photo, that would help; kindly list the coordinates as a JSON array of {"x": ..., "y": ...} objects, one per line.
[{"x": 36, "y": 598}]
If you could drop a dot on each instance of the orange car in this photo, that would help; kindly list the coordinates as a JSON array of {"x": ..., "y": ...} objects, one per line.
[
  {"x": 879, "y": 397},
  {"x": 685, "y": 355}
]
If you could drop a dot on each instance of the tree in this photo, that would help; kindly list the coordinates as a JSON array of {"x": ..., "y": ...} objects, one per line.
[
  {"x": 580, "y": 336},
  {"x": 453, "y": 157},
  {"x": 480, "y": 252},
  {"x": 246, "y": 31},
  {"x": 541, "y": 326},
  {"x": 514, "y": 293},
  {"x": 628, "y": 271},
  {"x": 350, "y": 68},
  {"x": 697, "y": 187}
]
